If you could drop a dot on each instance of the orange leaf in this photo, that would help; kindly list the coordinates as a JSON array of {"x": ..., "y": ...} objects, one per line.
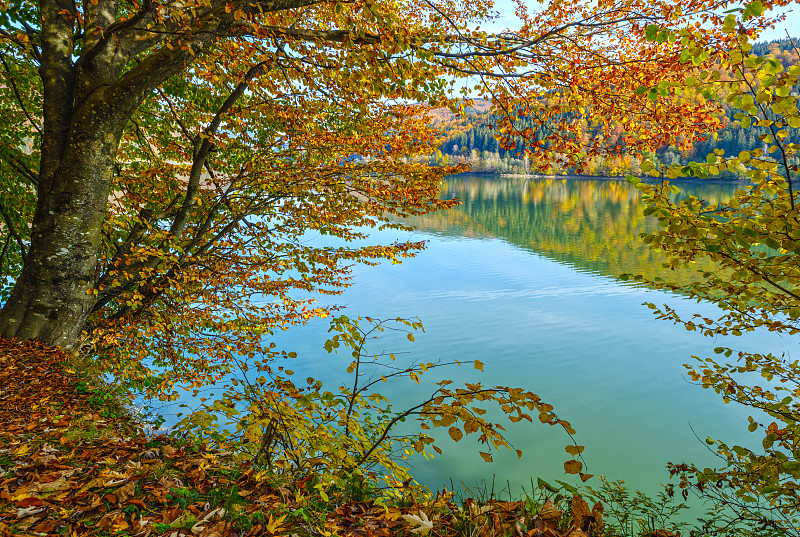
[{"x": 573, "y": 466}]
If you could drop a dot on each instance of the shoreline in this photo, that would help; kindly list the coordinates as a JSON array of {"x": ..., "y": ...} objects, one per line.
[{"x": 646, "y": 179}]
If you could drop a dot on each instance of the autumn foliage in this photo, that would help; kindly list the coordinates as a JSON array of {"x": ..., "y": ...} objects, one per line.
[
  {"x": 351, "y": 434},
  {"x": 236, "y": 131},
  {"x": 752, "y": 241},
  {"x": 186, "y": 175}
]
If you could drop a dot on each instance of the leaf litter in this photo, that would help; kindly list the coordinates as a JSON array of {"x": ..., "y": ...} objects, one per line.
[{"x": 118, "y": 480}]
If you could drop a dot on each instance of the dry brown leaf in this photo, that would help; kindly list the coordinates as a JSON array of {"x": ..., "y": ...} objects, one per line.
[
  {"x": 573, "y": 466},
  {"x": 125, "y": 492},
  {"x": 580, "y": 510},
  {"x": 597, "y": 513},
  {"x": 26, "y": 523},
  {"x": 44, "y": 460},
  {"x": 43, "y": 488},
  {"x": 107, "y": 520},
  {"x": 549, "y": 511}
]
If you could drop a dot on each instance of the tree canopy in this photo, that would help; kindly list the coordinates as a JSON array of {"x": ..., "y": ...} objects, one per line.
[{"x": 168, "y": 162}]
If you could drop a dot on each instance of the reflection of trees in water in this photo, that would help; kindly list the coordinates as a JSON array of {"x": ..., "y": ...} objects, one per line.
[{"x": 588, "y": 223}]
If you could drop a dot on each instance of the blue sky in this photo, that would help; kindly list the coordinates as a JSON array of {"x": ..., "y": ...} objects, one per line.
[{"x": 792, "y": 22}]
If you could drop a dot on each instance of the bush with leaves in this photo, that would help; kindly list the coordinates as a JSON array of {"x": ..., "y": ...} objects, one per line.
[{"x": 349, "y": 436}]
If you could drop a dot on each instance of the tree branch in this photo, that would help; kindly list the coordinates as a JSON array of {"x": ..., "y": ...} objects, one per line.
[
  {"x": 203, "y": 149},
  {"x": 17, "y": 94},
  {"x": 13, "y": 232}
]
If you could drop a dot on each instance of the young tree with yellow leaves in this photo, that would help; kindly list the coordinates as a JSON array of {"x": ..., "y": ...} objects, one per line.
[{"x": 753, "y": 241}]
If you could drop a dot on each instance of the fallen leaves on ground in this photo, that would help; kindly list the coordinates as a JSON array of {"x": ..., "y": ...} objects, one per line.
[
  {"x": 110, "y": 478},
  {"x": 66, "y": 469}
]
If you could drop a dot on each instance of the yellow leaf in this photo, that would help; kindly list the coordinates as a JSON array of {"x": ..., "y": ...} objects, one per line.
[
  {"x": 574, "y": 450},
  {"x": 455, "y": 433},
  {"x": 24, "y": 449},
  {"x": 274, "y": 524},
  {"x": 486, "y": 456},
  {"x": 478, "y": 365}
]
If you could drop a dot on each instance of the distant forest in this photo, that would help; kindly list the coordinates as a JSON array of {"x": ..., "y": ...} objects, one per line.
[{"x": 472, "y": 141}]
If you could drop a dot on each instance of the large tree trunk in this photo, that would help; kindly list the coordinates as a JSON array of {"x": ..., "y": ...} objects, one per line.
[
  {"x": 86, "y": 104},
  {"x": 52, "y": 297}
]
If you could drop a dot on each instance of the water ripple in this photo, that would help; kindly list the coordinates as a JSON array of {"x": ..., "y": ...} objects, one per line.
[{"x": 531, "y": 293}]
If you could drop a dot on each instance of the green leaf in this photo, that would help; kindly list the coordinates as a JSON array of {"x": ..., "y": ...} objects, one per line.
[
  {"x": 753, "y": 9},
  {"x": 542, "y": 483},
  {"x": 567, "y": 486}
]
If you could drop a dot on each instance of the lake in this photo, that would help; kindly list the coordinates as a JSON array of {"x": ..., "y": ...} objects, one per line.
[{"x": 522, "y": 276}]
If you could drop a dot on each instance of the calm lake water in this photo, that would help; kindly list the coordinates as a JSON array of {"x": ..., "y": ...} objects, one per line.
[{"x": 522, "y": 277}]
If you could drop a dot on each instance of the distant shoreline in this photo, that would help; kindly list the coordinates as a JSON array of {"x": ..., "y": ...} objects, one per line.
[{"x": 597, "y": 177}]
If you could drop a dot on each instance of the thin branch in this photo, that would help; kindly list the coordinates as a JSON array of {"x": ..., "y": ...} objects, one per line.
[
  {"x": 23, "y": 170},
  {"x": 17, "y": 94},
  {"x": 203, "y": 149},
  {"x": 12, "y": 230},
  {"x": 176, "y": 116}
]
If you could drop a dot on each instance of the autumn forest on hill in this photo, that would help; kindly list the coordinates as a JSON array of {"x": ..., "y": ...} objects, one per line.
[
  {"x": 472, "y": 140},
  {"x": 185, "y": 184}
]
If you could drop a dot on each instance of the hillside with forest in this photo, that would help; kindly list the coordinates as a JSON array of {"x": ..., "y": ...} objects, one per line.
[{"x": 472, "y": 140}]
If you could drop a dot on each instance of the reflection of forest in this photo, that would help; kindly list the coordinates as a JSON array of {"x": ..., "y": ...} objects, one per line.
[{"x": 592, "y": 224}]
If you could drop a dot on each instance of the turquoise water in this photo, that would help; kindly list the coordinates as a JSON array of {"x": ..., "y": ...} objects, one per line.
[{"x": 521, "y": 277}]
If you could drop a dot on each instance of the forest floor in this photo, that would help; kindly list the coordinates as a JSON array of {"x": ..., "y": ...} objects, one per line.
[{"x": 68, "y": 467}]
